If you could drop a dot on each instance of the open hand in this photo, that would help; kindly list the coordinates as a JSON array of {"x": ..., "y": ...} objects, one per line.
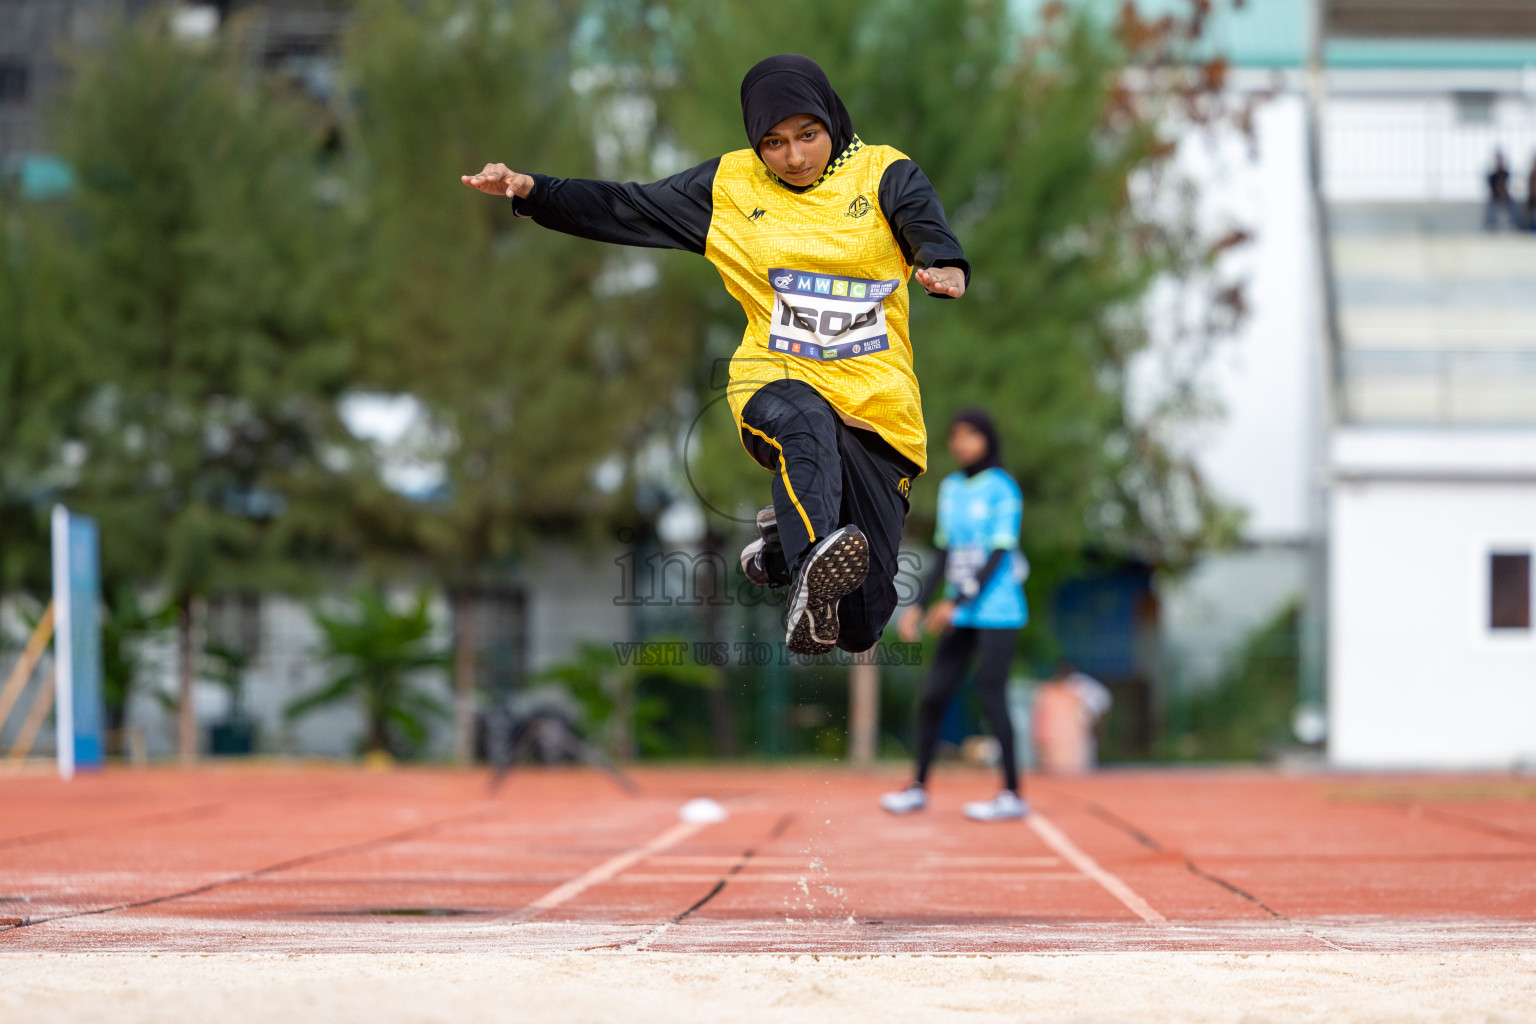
[
  {"x": 499, "y": 180},
  {"x": 942, "y": 281}
]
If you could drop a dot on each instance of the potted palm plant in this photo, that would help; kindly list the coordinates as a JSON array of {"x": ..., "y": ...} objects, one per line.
[
  {"x": 377, "y": 657},
  {"x": 236, "y": 734}
]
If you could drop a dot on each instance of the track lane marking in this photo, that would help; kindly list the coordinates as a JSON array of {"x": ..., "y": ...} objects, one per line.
[
  {"x": 607, "y": 870},
  {"x": 750, "y": 853},
  {"x": 1107, "y": 816},
  {"x": 724, "y": 861},
  {"x": 649, "y": 877},
  {"x": 303, "y": 860},
  {"x": 1070, "y": 852}
]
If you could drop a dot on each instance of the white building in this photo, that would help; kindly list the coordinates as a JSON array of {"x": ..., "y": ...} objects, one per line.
[
  {"x": 1432, "y": 658},
  {"x": 1432, "y": 452},
  {"x": 1432, "y": 459},
  {"x": 1380, "y": 422}
]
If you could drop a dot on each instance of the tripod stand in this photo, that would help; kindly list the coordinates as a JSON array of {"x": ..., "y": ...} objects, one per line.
[{"x": 540, "y": 726}]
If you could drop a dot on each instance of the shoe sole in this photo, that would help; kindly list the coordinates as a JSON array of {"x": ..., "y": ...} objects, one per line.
[
  {"x": 903, "y": 811},
  {"x": 833, "y": 572}
]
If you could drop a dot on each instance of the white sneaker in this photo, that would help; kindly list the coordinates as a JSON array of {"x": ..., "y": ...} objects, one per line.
[
  {"x": 1005, "y": 806},
  {"x": 905, "y": 801}
]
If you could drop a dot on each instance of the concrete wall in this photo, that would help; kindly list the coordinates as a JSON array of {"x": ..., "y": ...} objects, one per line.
[
  {"x": 571, "y": 596},
  {"x": 1261, "y": 451},
  {"x": 1208, "y": 614},
  {"x": 1416, "y": 677}
]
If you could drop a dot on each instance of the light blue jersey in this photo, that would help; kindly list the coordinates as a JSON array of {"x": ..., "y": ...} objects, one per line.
[{"x": 978, "y": 515}]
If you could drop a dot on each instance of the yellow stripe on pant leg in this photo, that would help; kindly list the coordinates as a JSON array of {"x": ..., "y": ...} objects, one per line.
[{"x": 788, "y": 487}]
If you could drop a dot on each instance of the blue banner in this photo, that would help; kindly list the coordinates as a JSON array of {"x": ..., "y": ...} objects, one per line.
[{"x": 79, "y": 713}]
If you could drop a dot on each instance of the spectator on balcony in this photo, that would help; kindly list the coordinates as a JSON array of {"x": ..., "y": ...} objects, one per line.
[{"x": 1498, "y": 195}]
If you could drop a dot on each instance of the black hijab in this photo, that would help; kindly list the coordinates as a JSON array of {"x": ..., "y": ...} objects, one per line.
[
  {"x": 787, "y": 85},
  {"x": 978, "y": 420}
]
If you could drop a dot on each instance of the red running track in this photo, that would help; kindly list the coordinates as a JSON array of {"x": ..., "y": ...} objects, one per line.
[{"x": 263, "y": 858}]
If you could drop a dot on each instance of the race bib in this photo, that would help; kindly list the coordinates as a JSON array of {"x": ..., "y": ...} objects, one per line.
[
  {"x": 823, "y": 316},
  {"x": 964, "y": 563}
]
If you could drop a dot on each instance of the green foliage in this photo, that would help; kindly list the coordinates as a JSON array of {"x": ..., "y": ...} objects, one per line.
[
  {"x": 31, "y": 376},
  {"x": 180, "y": 346},
  {"x": 124, "y": 625},
  {"x": 533, "y": 357},
  {"x": 629, "y": 709},
  {"x": 227, "y": 667},
  {"x": 1245, "y": 716},
  {"x": 380, "y": 656}
]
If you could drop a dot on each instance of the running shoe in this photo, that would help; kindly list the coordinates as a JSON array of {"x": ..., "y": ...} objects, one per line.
[
  {"x": 763, "y": 559},
  {"x": 1006, "y": 806},
  {"x": 905, "y": 801},
  {"x": 835, "y": 568}
]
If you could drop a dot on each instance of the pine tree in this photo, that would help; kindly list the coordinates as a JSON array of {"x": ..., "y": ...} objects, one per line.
[
  {"x": 537, "y": 356},
  {"x": 198, "y": 356}
]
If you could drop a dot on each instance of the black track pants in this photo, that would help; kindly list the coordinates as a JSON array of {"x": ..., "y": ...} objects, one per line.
[
  {"x": 948, "y": 672},
  {"x": 828, "y": 475}
]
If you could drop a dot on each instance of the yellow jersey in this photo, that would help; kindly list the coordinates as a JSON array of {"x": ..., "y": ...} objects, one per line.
[{"x": 824, "y": 286}]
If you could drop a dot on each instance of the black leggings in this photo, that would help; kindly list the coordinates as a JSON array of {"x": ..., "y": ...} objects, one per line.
[
  {"x": 826, "y": 475},
  {"x": 949, "y": 667}
]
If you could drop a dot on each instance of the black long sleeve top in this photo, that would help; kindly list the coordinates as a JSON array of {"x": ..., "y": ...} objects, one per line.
[{"x": 675, "y": 212}]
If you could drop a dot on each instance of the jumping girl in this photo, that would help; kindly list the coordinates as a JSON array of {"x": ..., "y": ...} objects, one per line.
[{"x": 815, "y": 233}]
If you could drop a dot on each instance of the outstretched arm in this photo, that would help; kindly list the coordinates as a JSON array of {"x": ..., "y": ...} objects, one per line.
[
  {"x": 673, "y": 213},
  {"x": 917, "y": 220}
]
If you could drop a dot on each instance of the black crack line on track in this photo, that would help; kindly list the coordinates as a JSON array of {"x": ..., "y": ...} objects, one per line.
[
  {"x": 143, "y": 820},
  {"x": 1474, "y": 824},
  {"x": 779, "y": 828},
  {"x": 414, "y": 832},
  {"x": 1112, "y": 819}
]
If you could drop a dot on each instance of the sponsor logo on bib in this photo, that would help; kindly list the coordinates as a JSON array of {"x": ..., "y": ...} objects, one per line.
[{"x": 827, "y": 316}]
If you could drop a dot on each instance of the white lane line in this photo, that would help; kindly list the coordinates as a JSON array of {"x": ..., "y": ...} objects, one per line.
[
  {"x": 1069, "y": 851},
  {"x": 644, "y": 941},
  {"x": 923, "y": 863},
  {"x": 606, "y": 871},
  {"x": 791, "y": 877}
]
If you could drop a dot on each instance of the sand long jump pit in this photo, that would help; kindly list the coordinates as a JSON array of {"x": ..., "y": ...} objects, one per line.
[{"x": 317, "y": 893}]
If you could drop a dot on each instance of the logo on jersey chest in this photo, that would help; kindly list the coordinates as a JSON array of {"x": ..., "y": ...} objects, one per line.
[
  {"x": 757, "y": 211},
  {"x": 858, "y": 208}
]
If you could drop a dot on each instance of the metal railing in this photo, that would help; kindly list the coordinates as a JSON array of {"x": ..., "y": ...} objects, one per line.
[
  {"x": 1420, "y": 156},
  {"x": 1466, "y": 387}
]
